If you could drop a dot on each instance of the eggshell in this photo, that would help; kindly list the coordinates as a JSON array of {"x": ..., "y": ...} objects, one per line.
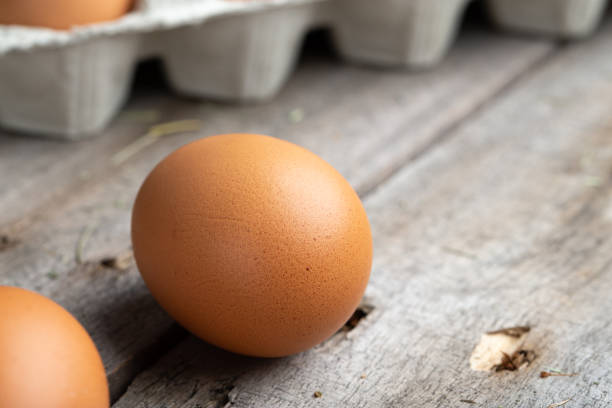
[
  {"x": 252, "y": 243},
  {"x": 61, "y": 14},
  {"x": 47, "y": 359}
]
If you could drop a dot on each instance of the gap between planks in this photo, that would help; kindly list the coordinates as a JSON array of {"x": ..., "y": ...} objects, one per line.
[{"x": 448, "y": 130}]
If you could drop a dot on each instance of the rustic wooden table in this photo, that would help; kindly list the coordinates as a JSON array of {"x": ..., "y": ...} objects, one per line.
[{"x": 488, "y": 184}]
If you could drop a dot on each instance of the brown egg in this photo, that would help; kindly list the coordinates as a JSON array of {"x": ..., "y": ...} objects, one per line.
[
  {"x": 47, "y": 359},
  {"x": 252, "y": 243},
  {"x": 61, "y": 14}
]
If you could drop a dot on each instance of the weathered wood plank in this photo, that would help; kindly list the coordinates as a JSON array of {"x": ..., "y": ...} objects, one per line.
[
  {"x": 352, "y": 115},
  {"x": 507, "y": 222}
]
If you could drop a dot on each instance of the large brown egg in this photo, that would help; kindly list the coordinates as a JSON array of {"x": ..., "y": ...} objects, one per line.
[
  {"x": 61, "y": 14},
  {"x": 47, "y": 359},
  {"x": 252, "y": 243}
]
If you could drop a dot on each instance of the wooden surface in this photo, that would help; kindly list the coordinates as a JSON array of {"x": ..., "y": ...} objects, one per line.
[{"x": 488, "y": 185}]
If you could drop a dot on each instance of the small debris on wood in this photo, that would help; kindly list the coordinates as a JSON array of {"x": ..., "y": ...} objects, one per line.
[
  {"x": 359, "y": 314},
  {"x": 555, "y": 373},
  {"x": 154, "y": 134},
  {"x": 120, "y": 262},
  {"x": 81, "y": 242},
  {"x": 6, "y": 242},
  {"x": 362, "y": 376},
  {"x": 506, "y": 363},
  {"x": 516, "y": 332},
  {"x": 466, "y": 401},
  {"x": 559, "y": 404},
  {"x": 296, "y": 115},
  {"x": 502, "y": 350},
  {"x": 516, "y": 360},
  {"x": 317, "y": 394},
  {"x": 459, "y": 252},
  {"x": 221, "y": 395}
]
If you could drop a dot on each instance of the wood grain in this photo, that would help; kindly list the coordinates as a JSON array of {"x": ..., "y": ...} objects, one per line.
[
  {"x": 359, "y": 109},
  {"x": 507, "y": 222},
  {"x": 66, "y": 207}
]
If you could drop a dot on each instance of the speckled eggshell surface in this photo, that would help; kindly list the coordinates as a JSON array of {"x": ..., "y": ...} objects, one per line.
[
  {"x": 47, "y": 359},
  {"x": 252, "y": 243},
  {"x": 61, "y": 14}
]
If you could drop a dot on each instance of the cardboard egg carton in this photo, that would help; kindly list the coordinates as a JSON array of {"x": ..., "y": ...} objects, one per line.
[{"x": 70, "y": 84}]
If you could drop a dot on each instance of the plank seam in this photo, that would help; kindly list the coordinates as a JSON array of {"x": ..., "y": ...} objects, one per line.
[{"x": 445, "y": 134}]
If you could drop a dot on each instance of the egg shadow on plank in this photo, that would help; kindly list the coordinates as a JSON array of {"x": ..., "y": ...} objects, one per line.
[
  {"x": 136, "y": 336},
  {"x": 198, "y": 372},
  {"x": 127, "y": 325},
  {"x": 205, "y": 375}
]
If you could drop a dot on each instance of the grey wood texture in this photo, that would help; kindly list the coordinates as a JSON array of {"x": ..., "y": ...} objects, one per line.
[
  {"x": 515, "y": 199},
  {"x": 340, "y": 102},
  {"x": 71, "y": 207},
  {"x": 506, "y": 222}
]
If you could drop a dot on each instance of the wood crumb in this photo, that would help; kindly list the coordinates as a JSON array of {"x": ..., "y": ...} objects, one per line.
[
  {"x": 467, "y": 401},
  {"x": 120, "y": 262},
  {"x": 6, "y": 242},
  {"x": 559, "y": 404},
  {"x": 317, "y": 394},
  {"x": 502, "y": 350},
  {"x": 554, "y": 373},
  {"x": 516, "y": 332},
  {"x": 517, "y": 360},
  {"x": 362, "y": 376},
  {"x": 459, "y": 253},
  {"x": 506, "y": 363}
]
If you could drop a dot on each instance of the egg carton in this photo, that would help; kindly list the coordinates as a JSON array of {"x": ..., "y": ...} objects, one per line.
[
  {"x": 569, "y": 19},
  {"x": 70, "y": 84}
]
